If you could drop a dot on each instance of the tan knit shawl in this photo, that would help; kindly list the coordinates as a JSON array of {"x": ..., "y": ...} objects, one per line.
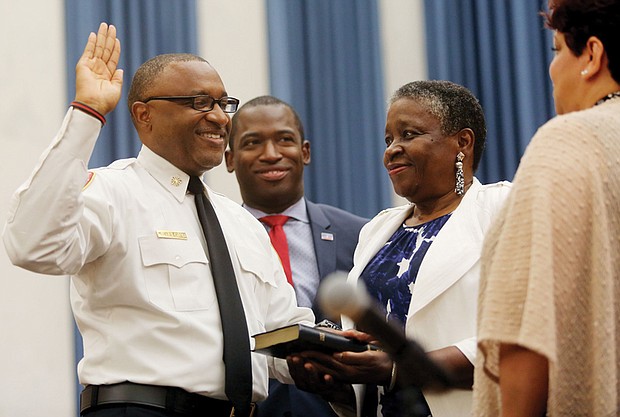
[{"x": 551, "y": 267}]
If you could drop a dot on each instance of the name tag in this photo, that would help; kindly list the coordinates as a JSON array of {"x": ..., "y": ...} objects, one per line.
[
  {"x": 169, "y": 234},
  {"x": 327, "y": 236}
]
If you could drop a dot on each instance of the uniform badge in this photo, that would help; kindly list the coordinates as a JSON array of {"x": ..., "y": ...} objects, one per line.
[{"x": 175, "y": 181}]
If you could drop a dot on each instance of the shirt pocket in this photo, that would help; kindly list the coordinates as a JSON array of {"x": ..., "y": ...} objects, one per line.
[
  {"x": 255, "y": 268},
  {"x": 256, "y": 263},
  {"x": 176, "y": 274}
]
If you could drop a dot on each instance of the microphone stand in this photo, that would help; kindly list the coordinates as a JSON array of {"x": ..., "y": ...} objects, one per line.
[
  {"x": 415, "y": 369},
  {"x": 412, "y": 398}
]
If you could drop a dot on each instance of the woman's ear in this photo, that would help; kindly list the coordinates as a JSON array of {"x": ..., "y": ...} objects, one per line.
[
  {"x": 465, "y": 140},
  {"x": 594, "y": 53}
]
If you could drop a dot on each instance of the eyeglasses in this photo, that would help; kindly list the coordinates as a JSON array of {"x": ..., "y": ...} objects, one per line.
[{"x": 203, "y": 102}]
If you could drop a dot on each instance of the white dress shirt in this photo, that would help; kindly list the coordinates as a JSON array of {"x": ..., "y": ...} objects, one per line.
[{"x": 141, "y": 289}]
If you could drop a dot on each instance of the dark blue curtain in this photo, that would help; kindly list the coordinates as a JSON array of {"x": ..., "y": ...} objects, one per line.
[
  {"x": 501, "y": 51},
  {"x": 325, "y": 60},
  {"x": 146, "y": 28}
]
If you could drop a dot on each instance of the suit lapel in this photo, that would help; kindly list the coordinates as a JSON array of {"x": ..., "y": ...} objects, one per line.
[
  {"x": 374, "y": 237},
  {"x": 379, "y": 235},
  {"x": 324, "y": 240}
]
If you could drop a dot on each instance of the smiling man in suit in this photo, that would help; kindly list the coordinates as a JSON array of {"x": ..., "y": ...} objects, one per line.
[{"x": 268, "y": 153}]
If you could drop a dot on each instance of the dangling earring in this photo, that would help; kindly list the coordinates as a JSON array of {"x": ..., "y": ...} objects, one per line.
[{"x": 460, "y": 178}]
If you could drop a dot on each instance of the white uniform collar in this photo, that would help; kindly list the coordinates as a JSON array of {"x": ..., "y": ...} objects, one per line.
[{"x": 170, "y": 177}]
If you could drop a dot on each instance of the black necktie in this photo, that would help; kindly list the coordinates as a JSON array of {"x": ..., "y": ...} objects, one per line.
[{"x": 238, "y": 366}]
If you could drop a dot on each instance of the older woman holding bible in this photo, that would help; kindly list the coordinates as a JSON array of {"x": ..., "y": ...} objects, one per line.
[{"x": 420, "y": 261}]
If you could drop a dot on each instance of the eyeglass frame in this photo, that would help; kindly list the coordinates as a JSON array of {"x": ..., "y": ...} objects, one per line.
[{"x": 193, "y": 99}]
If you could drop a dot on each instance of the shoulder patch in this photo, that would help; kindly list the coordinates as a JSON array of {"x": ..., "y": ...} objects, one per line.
[{"x": 91, "y": 177}]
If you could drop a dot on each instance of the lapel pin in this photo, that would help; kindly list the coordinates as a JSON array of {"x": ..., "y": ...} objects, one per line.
[{"x": 327, "y": 236}]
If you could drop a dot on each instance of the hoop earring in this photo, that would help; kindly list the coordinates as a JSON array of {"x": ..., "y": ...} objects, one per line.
[{"x": 460, "y": 177}]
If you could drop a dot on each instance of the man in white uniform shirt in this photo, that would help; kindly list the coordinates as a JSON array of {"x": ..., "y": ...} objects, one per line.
[{"x": 129, "y": 234}]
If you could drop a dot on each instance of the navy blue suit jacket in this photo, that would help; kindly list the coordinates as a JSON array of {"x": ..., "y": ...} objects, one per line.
[{"x": 331, "y": 255}]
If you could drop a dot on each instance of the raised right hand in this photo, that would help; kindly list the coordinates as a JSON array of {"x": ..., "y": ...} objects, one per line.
[{"x": 98, "y": 81}]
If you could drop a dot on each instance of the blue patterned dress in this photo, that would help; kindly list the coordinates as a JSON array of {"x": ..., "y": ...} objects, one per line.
[{"x": 390, "y": 278}]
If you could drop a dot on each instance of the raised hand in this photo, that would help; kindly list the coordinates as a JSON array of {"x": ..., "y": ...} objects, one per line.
[{"x": 98, "y": 81}]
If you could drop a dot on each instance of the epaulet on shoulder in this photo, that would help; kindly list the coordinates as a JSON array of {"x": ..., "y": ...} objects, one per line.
[
  {"x": 118, "y": 165},
  {"x": 218, "y": 193},
  {"x": 121, "y": 163},
  {"x": 224, "y": 198}
]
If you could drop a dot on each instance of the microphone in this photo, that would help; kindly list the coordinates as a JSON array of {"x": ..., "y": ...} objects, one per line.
[{"x": 415, "y": 367}]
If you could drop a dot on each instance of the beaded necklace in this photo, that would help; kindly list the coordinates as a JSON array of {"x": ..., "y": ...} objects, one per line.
[{"x": 608, "y": 97}]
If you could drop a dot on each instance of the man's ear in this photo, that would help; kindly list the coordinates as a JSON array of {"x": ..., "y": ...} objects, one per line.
[
  {"x": 140, "y": 114},
  {"x": 228, "y": 157},
  {"x": 305, "y": 152}
]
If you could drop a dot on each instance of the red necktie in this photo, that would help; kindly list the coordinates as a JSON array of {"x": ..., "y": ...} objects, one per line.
[{"x": 278, "y": 240}]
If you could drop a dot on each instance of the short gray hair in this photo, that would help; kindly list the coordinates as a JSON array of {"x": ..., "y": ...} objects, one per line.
[{"x": 453, "y": 105}]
